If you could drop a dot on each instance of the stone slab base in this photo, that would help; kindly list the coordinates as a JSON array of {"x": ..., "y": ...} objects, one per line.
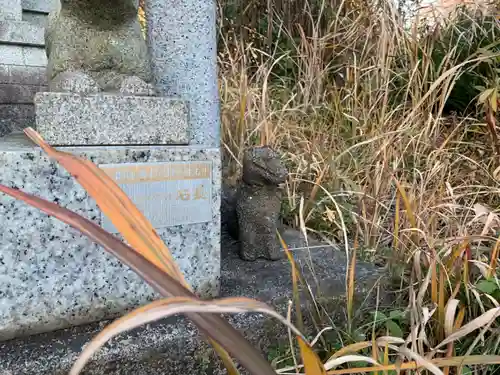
[
  {"x": 64, "y": 119},
  {"x": 52, "y": 277},
  {"x": 173, "y": 346}
]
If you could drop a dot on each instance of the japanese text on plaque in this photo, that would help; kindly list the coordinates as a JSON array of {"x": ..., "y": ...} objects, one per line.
[{"x": 173, "y": 193}]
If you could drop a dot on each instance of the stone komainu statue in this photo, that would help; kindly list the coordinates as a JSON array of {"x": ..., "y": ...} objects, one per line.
[
  {"x": 97, "y": 45},
  {"x": 258, "y": 204}
]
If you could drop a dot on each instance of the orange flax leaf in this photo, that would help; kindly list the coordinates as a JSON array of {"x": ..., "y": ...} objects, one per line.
[
  {"x": 125, "y": 216},
  {"x": 89, "y": 177},
  {"x": 162, "y": 256},
  {"x": 131, "y": 223},
  {"x": 220, "y": 333},
  {"x": 168, "y": 307},
  {"x": 311, "y": 361}
]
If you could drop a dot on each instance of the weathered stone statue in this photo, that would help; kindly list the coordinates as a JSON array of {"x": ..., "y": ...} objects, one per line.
[
  {"x": 258, "y": 204},
  {"x": 97, "y": 45}
]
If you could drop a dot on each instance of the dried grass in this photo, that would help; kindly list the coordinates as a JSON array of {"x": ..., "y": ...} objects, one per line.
[{"x": 416, "y": 185}]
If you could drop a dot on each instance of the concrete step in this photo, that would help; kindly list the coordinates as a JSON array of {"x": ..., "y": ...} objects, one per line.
[{"x": 173, "y": 346}]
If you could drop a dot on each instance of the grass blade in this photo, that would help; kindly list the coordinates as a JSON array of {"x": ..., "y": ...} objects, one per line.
[
  {"x": 441, "y": 303},
  {"x": 449, "y": 321},
  {"x": 356, "y": 347},
  {"x": 350, "y": 291},
  {"x": 477, "y": 323},
  {"x": 494, "y": 259},
  {"x": 407, "y": 204},
  {"x": 295, "y": 280},
  {"x": 439, "y": 362},
  {"x": 168, "y": 307},
  {"x": 312, "y": 363},
  {"x": 421, "y": 361},
  {"x": 396, "y": 223},
  {"x": 349, "y": 358}
]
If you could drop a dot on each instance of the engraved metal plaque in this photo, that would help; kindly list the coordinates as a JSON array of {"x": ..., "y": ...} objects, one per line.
[{"x": 167, "y": 193}]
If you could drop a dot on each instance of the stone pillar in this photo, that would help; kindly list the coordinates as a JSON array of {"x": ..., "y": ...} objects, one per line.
[
  {"x": 182, "y": 40},
  {"x": 11, "y": 10},
  {"x": 168, "y": 166}
]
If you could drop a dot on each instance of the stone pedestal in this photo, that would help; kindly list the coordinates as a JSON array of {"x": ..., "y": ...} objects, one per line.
[
  {"x": 52, "y": 277},
  {"x": 182, "y": 38},
  {"x": 164, "y": 153},
  {"x": 104, "y": 119}
]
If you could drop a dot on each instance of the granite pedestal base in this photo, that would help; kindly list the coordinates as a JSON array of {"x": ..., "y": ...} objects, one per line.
[{"x": 52, "y": 277}]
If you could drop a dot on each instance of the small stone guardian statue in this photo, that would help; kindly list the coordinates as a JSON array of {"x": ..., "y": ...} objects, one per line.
[
  {"x": 258, "y": 204},
  {"x": 97, "y": 45}
]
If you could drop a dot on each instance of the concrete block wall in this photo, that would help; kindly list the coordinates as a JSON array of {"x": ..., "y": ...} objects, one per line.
[
  {"x": 444, "y": 8},
  {"x": 22, "y": 60}
]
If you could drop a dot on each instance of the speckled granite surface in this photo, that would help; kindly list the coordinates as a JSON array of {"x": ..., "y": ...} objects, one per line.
[
  {"x": 52, "y": 277},
  {"x": 106, "y": 119},
  {"x": 182, "y": 39}
]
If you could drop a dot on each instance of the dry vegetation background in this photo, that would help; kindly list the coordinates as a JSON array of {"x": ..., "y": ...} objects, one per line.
[
  {"x": 390, "y": 135},
  {"x": 389, "y": 130}
]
